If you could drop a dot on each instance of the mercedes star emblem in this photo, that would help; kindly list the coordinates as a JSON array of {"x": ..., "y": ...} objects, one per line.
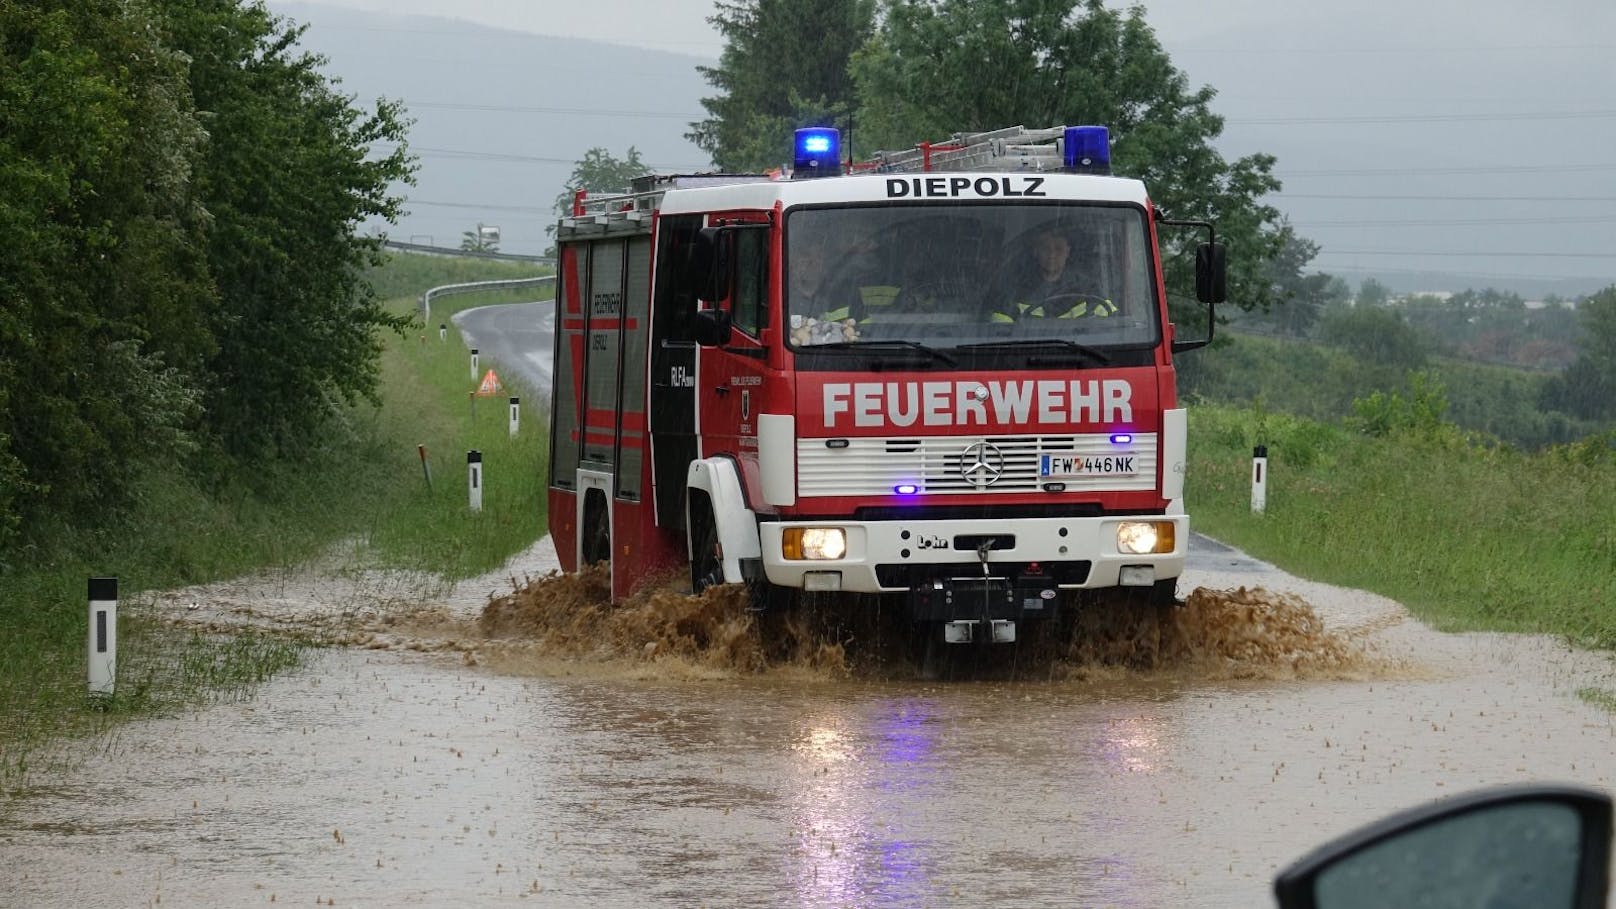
[{"x": 981, "y": 464}]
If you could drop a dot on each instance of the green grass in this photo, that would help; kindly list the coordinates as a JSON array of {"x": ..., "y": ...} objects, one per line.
[
  {"x": 362, "y": 482},
  {"x": 1599, "y": 697},
  {"x": 1315, "y": 380},
  {"x": 1468, "y": 537}
]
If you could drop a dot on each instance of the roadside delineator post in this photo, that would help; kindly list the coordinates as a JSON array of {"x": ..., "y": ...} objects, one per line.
[
  {"x": 474, "y": 364},
  {"x": 443, "y": 332},
  {"x": 474, "y": 476},
  {"x": 103, "y": 637},
  {"x": 1259, "y": 479},
  {"x": 516, "y": 414}
]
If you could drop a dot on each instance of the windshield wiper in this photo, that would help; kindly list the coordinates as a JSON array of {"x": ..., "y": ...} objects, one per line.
[
  {"x": 1093, "y": 353},
  {"x": 916, "y": 346}
]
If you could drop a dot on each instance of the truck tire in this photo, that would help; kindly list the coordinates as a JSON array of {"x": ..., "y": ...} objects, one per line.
[{"x": 706, "y": 557}]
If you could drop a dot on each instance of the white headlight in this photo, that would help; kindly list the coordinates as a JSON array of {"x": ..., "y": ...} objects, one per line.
[
  {"x": 823, "y": 543},
  {"x": 1136, "y": 537}
]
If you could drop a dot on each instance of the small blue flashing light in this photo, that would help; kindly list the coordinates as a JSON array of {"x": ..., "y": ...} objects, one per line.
[
  {"x": 1121, "y": 438},
  {"x": 1087, "y": 150},
  {"x": 906, "y": 489},
  {"x": 818, "y": 153}
]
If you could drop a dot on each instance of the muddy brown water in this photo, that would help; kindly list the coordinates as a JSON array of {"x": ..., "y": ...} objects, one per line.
[{"x": 539, "y": 748}]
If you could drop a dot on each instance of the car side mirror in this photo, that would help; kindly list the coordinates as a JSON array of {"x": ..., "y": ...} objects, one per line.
[
  {"x": 713, "y": 327},
  {"x": 1546, "y": 847}
]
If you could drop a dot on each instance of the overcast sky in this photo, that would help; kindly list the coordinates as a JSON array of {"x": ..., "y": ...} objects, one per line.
[{"x": 1474, "y": 136}]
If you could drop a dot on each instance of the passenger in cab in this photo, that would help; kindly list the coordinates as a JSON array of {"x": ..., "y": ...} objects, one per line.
[{"x": 825, "y": 306}]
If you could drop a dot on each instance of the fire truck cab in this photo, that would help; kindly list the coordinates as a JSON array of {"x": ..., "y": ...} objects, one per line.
[{"x": 946, "y": 375}]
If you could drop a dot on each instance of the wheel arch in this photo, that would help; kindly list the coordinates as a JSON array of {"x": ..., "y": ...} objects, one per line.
[{"x": 719, "y": 481}]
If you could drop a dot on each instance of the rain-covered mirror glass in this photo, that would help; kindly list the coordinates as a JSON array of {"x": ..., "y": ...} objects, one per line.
[{"x": 1523, "y": 855}]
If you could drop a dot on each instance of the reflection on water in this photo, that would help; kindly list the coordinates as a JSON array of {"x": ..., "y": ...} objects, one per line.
[{"x": 860, "y": 782}]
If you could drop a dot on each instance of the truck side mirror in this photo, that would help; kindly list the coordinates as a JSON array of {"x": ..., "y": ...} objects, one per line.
[
  {"x": 710, "y": 264},
  {"x": 1211, "y": 273},
  {"x": 1543, "y": 846},
  {"x": 713, "y": 327}
]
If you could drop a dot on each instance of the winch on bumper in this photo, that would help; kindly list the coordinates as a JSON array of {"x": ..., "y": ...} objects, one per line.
[{"x": 976, "y": 570}]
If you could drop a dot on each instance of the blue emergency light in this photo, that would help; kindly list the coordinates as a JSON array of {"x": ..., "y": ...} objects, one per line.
[
  {"x": 818, "y": 153},
  {"x": 1087, "y": 150},
  {"x": 1121, "y": 438}
]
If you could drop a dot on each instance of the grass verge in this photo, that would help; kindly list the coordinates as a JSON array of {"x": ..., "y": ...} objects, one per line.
[
  {"x": 1468, "y": 537},
  {"x": 363, "y": 481}
]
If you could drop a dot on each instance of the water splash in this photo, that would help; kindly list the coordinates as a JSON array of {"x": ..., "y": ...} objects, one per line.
[{"x": 1221, "y": 634}]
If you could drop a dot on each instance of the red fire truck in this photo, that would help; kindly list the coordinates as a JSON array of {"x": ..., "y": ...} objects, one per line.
[{"x": 880, "y": 381}]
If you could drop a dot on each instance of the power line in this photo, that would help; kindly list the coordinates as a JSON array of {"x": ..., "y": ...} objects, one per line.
[
  {"x": 429, "y": 152},
  {"x": 1477, "y": 254},
  {"x": 1414, "y": 171},
  {"x": 1446, "y": 222},
  {"x": 1423, "y": 118},
  {"x": 1449, "y": 198},
  {"x": 1434, "y": 49},
  {"x": 541, "y": 209},
  {"x": 1363, "y": 269},
  {"x": 568, "y": 111}
]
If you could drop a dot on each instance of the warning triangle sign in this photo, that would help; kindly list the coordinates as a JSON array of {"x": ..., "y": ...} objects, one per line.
[{"x": 490, "y": 385}]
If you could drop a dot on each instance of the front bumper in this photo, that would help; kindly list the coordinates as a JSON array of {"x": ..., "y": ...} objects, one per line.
[{"x": 894, "y": 556}]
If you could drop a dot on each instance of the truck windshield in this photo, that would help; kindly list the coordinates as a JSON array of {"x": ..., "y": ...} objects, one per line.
[{"x": 970, "y": 274}]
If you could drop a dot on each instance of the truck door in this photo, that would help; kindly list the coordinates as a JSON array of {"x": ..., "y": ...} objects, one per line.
[
  {"x": 673, "y": 366},
  {"x": 731, "y": 376}
]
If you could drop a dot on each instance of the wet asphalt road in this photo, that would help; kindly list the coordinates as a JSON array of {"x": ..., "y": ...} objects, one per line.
[{"x": 388, "y": 778}]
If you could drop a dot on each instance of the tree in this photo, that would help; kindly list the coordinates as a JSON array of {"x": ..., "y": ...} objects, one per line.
[
  {"x": 1588, "y": 387},
  {"x": 1375, "y": 333},
  {"x": 935, "y": 67},
  {"x": 1373, "y": 293},
  {"x": 597, "y": 172},
  {"x": 784, "y": 66},
  {"x": 479, "y": 240},
  {"x": 103, "y": 290},
  {"x": 288, "y": 175},
  {"x": 1300, "y": 298}
]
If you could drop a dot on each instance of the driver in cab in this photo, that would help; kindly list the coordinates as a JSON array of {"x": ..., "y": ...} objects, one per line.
[{"x": 1044, "y": 285}]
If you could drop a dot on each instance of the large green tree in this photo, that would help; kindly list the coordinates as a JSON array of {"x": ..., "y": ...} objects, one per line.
[
  {"x": 102, "y": 279},
  {"x": 179, "y": 192},
  {"x": 287, "y": 176},
  {"x": 784, "y": 66},
  {"x": 936, "y": 67}
]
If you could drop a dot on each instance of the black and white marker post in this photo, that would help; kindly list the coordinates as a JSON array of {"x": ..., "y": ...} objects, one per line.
[
  {"x": 103, "y": 638},
  {"x": 474, "y": 364},
  {"x": 516, "y": 415},
  {"x": 1259, "y": 479},
  {"x": 443, "y": 331},
  {"x": 474, "y": 476}
]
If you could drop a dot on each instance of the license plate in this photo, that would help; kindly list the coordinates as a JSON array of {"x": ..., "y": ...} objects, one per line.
[{"x": 1088, "y": 466}]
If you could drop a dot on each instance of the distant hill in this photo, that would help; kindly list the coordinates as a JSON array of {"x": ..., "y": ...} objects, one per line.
[
  {"x": 501, "y": 116},
  {"x": 1385, "y": 136}
]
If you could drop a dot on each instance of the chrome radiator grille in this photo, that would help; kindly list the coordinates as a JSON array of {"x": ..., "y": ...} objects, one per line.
[{"x": 965, "y": 465}]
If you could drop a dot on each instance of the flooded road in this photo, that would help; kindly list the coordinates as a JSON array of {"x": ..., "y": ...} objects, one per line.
[{"x": 524, "y": 774}]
